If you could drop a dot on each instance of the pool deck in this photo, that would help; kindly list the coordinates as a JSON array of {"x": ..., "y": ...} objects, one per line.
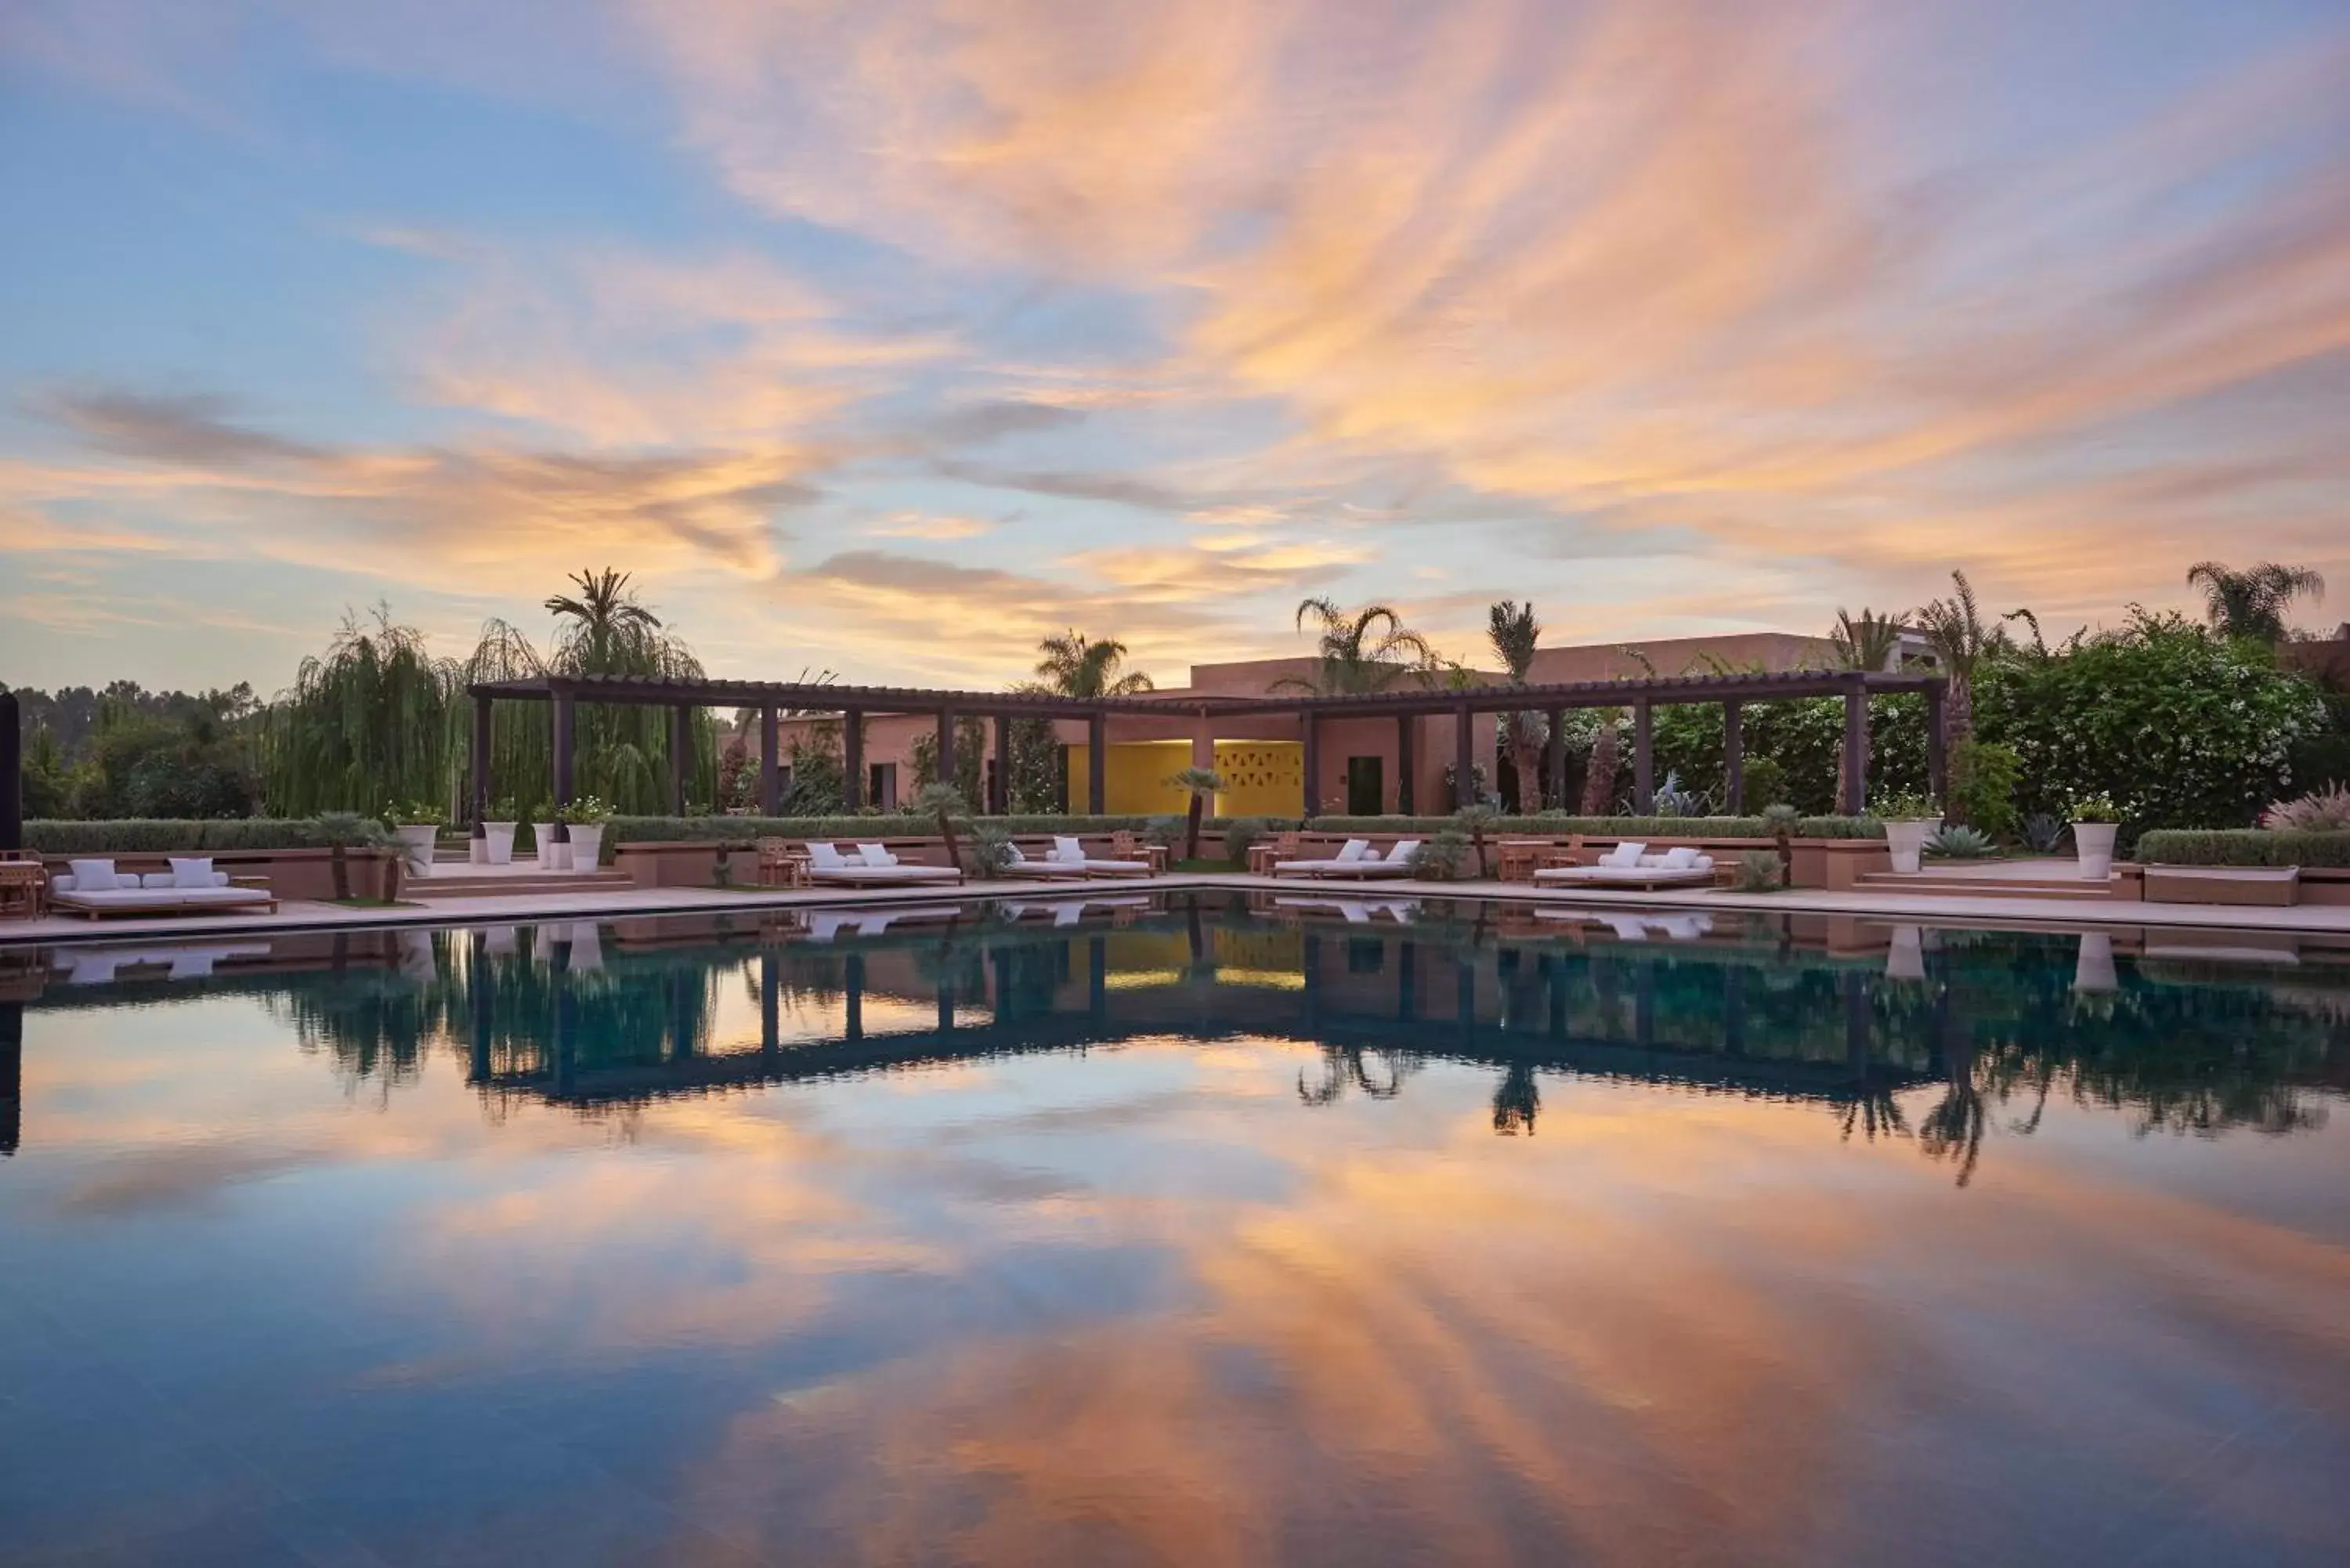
[{"x": 1892, "y": 906}]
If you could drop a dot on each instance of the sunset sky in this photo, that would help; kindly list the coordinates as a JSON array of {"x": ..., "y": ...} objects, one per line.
[{"x": 889, "y": 336}]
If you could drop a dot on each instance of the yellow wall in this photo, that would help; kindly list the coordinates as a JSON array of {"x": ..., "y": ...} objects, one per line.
[
  {"x": 1134, "y": 778},
  {"x": 1267, "y": 778},
  {"x": 1262, "y": 778}
]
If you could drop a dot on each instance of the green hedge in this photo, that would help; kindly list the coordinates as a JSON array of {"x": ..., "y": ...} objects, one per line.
[
  {"x": 162, "y": 836},
  {"x": 2241, "y": 847},
  {"x": 1555, "y": 823}
]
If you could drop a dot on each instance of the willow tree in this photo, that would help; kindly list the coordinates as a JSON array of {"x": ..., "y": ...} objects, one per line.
[
  {"x": 365, "y": 726},
  {"x": 621, "y": 753}
]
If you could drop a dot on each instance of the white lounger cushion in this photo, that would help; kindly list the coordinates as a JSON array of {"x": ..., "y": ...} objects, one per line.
[
  {"x": 825, "y": 858},
  {"x": 160, "y": 897},
  {"x": 1067, "y": 848},
  {"x": 1679, "y": 859},
  {"x": 875, "y": 855},
  {"x": 1625, "y": 854},
  {"x": 1402, "y": 853},
  {"x": 87, "y": 876},
  {"x": 193, "y": 872},
  {"x": 1354, "y": 849}
]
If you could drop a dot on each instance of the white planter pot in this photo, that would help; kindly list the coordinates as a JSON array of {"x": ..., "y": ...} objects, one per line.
[
  {"x": 416, "y": 842},
  {"x": 554, "y": 854},
  {"x": 498, "y": 843},
  {"x": 1906, "y": 840},
  {"x": 2093, "y": 841},
  {"x": 586, "y": 847},
  {"x": 2092, "y": 968}
]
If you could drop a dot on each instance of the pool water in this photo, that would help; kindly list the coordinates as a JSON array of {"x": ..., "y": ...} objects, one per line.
[{"x": 1162, "y": 1230}]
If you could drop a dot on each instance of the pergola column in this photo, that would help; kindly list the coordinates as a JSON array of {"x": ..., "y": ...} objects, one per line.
[
  {"x": 1406, "y": 762},
  {"x": 946, "y": 747},
  {"x": 1644, "y": 757},
  {"x": 681, "y": 748},
  {"x": 1097, "y": 764},
  {"x": 1938, "y": 761},
  {"x": 564, "y": 731},
  {"x": 999, "y": 798},
  {"x": 1555, "y": 762},
  {"x": 1733, "y": 757},
  {"x": 771, "y": 770},
  {"x": 852, "y": 760},
  {"x": 1855, "y": 750},
  {"x": 480, "y": 762},
  {"x": 1311, "y": 805},
  {"x": 1464, "y": 757}
]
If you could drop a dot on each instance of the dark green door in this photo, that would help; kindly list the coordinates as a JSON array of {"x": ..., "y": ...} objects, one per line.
[{"x": 1365, "y": 786}]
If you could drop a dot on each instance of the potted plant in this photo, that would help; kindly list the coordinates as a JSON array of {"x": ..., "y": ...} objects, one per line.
[
  {"x": 498, "y": 831},
  {"x": 416, "y": 826},
  {"x": 2096, "y": 820},
  {"x": 584, "y": 821},
  {"x": 1910, "y": 819}
]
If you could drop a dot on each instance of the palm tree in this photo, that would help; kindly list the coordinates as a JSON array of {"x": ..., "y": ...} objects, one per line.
[
  {"x": 1514, "y": 631},
  {"x": 1361, "y": 651},
  {"x": 1866, "y": 641},
  {"x": 2250, "y": 604},
  {"x": 1201, "y": 784},
  {"x": 1473, "y": 820},
  {"x": 945, "y": 803},
  {"x": 1962, "y": 639},
  {"x": 345, "y": 831},
  {"x": 604, "y": 617},
  {"x": 622, "y": 751},
  {"x": 1076, "y": 665}
]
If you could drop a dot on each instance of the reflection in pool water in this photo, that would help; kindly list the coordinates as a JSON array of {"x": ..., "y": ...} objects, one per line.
[{"x": 1166, "y": 1232}]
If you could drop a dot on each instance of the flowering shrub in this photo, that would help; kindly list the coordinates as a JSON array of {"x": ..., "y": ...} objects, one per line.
[
  {"x": 2320, "y": 811},
  {"x": 2180, "y": 728}
]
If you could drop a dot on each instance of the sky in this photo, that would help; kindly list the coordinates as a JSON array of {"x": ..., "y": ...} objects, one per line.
[{"x": 889, "y": 337}]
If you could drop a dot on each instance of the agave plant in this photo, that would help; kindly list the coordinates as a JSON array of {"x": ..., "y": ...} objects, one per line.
[
  {"x": 1759, "y": 872},
  {"x": 2320, "y": 811},
  {"x": 1960, "y": 842},
  {"x": 1673, "y": 799},
  {"x": 2042, "y": 832}
]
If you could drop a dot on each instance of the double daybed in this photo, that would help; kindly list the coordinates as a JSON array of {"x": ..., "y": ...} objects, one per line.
[
  {"x": 872, "y": 865},
  {"x": 1067, "y": 858},
  {"x": 95, "y": 890},
  {"x": 1630, "y": 864},
  {"x": 1355, "y": 858}
]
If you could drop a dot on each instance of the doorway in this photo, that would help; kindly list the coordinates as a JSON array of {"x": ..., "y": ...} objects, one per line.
[{"x": 1365, "y": 786}]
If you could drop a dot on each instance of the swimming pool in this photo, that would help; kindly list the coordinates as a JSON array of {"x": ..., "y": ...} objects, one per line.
[{"x": 1158, "y": 1229}]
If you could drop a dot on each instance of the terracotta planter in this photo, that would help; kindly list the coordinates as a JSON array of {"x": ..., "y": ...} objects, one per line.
[{"x": 2093, "y": 842}]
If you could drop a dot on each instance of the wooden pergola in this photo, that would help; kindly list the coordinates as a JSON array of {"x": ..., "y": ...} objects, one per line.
[{"x": 854, "y": 704}]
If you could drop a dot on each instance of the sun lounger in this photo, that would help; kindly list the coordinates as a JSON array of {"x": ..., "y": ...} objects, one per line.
[
  {"x": 1629, "y": 866},
  {"x": 94, "y": 889},
  {"x": 874, "y": 867},
  {"x": 1044, "y": 870},
  {"x": 1068, "y": 851},
  {"x": 1356, "y": 859}
]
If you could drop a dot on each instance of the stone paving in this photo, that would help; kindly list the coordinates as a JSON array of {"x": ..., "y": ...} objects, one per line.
[{"x": 422, "y": 908}]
